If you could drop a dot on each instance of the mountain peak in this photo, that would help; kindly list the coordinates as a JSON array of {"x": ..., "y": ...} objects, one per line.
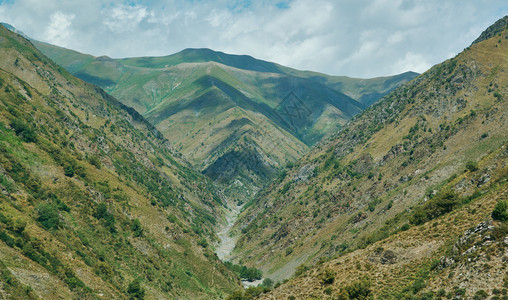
[
  {"x": 245, "y": 62},
  {"x": 493, "y": 29},
  {"x": 13, "y": 29}
]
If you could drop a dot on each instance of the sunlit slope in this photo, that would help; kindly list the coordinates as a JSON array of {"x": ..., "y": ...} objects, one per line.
[
  {"x": 361, "y": 185},
  {"x": 94, "y": 202}
]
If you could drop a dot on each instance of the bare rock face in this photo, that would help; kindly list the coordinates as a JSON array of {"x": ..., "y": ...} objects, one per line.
[
  {"x": 304, "y": 173},
  {"x": 384, "y": 257},
  {"x": 388, "y": 257}
]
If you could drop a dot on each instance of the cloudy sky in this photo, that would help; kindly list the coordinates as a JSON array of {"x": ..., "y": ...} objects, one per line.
[{"x": 359, "y": 38}]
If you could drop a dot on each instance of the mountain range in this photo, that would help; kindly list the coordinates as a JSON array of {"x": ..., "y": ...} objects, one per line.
[{"x": 225, "y": 112}]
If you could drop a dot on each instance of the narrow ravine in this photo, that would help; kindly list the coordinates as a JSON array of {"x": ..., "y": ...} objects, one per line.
[{"x": 227, "y": 241}]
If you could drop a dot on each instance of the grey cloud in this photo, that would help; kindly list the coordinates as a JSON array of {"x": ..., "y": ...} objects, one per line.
[{"x": 346, "y": 37}]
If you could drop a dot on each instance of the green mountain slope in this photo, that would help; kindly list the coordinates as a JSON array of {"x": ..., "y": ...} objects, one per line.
[
  {"x": 94, "y": 203},
  {"x": 196, "y": 92},
  {"x": 434, "y": 146}
]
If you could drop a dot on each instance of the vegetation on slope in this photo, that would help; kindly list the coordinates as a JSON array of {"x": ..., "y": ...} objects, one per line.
[
  {"x": 93, "y": 201},
  {"x": 429, "y": 147}
]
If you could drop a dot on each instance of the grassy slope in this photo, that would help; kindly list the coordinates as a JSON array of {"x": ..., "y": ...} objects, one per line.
[
  {"x": 426, "y": 261},
  {"x": 389, "y": 159},
  {"x": 78, "y": 169}
]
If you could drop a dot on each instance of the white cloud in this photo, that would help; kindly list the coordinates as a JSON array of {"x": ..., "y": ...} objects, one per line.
[
  {"x": 59, "y": 29},
  {"x": 361, "y": 38},
  {"x": 123, "y": 18}
]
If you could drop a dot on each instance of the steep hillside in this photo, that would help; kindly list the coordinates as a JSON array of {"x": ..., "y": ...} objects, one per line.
[
  {"x": 217, "y": 108},
  {"x": 93, "y": 200},
  {"x": 433, "y": 145}
]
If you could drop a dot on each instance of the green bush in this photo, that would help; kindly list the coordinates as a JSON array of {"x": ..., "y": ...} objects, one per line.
[
  {"x": 244, "y": 272},
  {"x": 136, "y": 228},
  {"x": 135, "y": 290},
  {"x": 357, "y": 290},
  {"x": 472, "y": 166},
  {"x": 238, "y": 295},
  {"x": 254, "y": 291},
  {"x": 94, "y": 160},
  {"x": 48, "y": 216},
  {"x": 441, "y": 293},
  {"x": 439, "y": 205},
  {"x": 7, "y": 239},
  {"x": 69, "y": 171},
  {"x": 267, "y": 282},
  {"x": 24, "y": 130},
  {"x": 500, "y": 212},
  {"x": 328, "y": 291},
  {"x": 300, "y": 270},
  {"x": 480, "y": 295},
  {"x": 203, "y": 243},
  {"x": 102, "y": 213},
  {"x": 327, "y": 277},
  {"x": 418, "y": 285}
]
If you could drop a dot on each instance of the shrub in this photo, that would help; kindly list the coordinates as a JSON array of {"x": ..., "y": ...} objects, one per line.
[
  {"x": 7, "y": 239},
  {"x": 480, "y": 295},
  {"x": 48, "y": 216},
  {"x": 203, "y": 243},
  {"x": 358, "y": 290},
  {"x": 500, "y": 212},
  {"x": 435, "y": 207},
  {"x": 135, "y": 290},
  {"x": 267, "y": 282},
  {"x": 254, "y": 291},
  {"x": 472, "y": 166},
  {"x": 136, "y": 228},
  {"x": 418, "y": 285},
  {"x": 238, "y": 295},
  {"x": 300, "y": 270},
  {"x": 251, "y": 274},
  {"x": 327, "y": 277},
  {"x": 441, "y": 293},
  {"x": 244, "y": 272},
  {"x": 94, "y": 160},
  {"x": 24, "y": 130},
  {"x": 328, "y": 291},
  {"x": 69, "y": 171},
  {"x": 103, "y": 213}
]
